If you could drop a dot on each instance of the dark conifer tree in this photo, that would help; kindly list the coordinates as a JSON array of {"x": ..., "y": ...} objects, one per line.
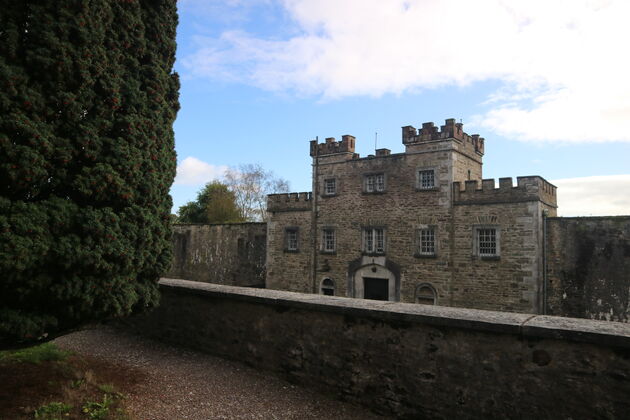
[{"x": 87, "y": 103}]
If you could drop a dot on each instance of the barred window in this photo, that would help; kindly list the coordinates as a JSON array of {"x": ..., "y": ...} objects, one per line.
[
  {"x": 426, "y": 241},
  {"x": 374, "y": 240},
  {"x": 328, "y": 240},
  {"x": 425, "y": 294},
  {"x": 330, "y": 186},
  {"x": 291, "y": 239},
  {"x": 328, "y": 287},
  {"x": 375, "y": 183},
  {"x": 426, "y": 179},
  {"x": 487, "y": 242}
]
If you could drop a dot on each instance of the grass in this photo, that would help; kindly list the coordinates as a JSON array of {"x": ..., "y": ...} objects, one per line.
[
  {"x": 47, "y": 383},
  {"x": 46, "y": 352}
]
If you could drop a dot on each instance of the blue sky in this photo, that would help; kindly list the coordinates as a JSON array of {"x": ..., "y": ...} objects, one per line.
[{"x": 545, "y": 82}]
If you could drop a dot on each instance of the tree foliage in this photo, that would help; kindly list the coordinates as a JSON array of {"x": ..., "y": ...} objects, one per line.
[
  {"x": 215, "y": 203},
  {"x": 251, "y": 184},
  {"x": 87, "y": 103}
]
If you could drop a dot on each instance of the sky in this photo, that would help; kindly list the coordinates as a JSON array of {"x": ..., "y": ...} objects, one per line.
[{"x": 544, "y": 82}]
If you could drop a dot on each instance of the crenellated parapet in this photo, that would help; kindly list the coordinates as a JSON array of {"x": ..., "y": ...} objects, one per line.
[
  {"x": 296, "y": 201},
  {"x": 528, "y": 188},
  {"x": 450, "y": 130},
  {"x": 330, "y": 146}
]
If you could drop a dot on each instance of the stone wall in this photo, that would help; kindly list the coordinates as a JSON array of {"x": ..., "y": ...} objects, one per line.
[
  {"x": 404, "y": 360},
  {"x": 588, "y": 267},
  {"x": 231, "y": 254}
]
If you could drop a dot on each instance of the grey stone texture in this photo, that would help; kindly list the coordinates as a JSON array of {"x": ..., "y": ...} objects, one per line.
[
  {"x": 232, "y": 254},
  {"x": 405, "y": 360},
  {"x": 460, "y": 202},
  {"x": 588, "y": 267}
]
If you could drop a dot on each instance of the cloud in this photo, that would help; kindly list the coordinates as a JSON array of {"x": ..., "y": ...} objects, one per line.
[
  {"x": 192, "y": 171},
  {"x": 594, "y": 196},
  {"x": 562, "y": 64}
]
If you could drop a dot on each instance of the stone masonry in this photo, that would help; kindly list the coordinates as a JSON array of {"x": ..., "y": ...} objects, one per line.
[
  {"x": 419, "y": 226},
  {"x": 232, "y": 254}
]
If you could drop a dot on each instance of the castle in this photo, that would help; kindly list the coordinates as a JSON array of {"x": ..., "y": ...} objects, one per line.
[
  {"x": 424, "y": 227},
  {"x": 420, "y": 226}
]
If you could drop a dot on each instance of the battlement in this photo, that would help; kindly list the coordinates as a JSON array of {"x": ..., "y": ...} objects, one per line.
[
  {"x": 296, "y": 201},
  {"x": 528, "y": 188},
  {"x": 330, "y": 146},
  {"x": 450, "y": 130}
]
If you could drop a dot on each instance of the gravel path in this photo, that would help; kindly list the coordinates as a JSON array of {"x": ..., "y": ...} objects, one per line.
[{"x": 185, "y": 384}]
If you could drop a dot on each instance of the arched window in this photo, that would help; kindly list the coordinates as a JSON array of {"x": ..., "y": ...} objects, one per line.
[
  {"x": 328, "y": 287},
  {"x": 425, "y": 294}
]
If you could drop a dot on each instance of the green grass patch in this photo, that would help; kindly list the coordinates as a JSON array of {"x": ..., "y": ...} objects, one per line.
[
  {"x": 36, "y": 354},
  {"x": 53, "y": 411}
]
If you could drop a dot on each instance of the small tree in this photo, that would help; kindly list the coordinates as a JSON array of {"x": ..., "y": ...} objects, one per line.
[
  {"x": 251, "y": 184},
  {"x": 215, "y": 203}
]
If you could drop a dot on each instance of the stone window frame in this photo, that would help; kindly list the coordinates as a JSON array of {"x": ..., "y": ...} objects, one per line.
[
  {"x": 418, "y": 241},
  {"x": 417, "y": 298},
  {"x": 325, "y": 192},
  {"x": 327, "y": 284},
  {"x": 323, "y": 248},
  {"x": 373, "y": 229},
  {"x": 287, "y": 231},
  {"x": 366, "y": 176},
  {"x": 497, "y": 241},
  {"x": 436, "y": 185}
]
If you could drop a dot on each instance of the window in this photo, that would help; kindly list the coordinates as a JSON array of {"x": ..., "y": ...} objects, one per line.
[
  {"x": 328, "y": 287},
  {"x": 374, "y": 240},
  {"x": 375, "y": 183},
  {"x": 487, "y": 241},
  {"x": 426, "y": 179},
  {"x": 291, "y": 240},
  {"x": 425, "y": 294},
  {"x": 330, "y": 186},
  {"x": 426, "y": 241},
  {"x": 328, "y": 240}
]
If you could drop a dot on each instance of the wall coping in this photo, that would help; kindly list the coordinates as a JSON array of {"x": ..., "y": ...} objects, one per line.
[{"x": 603, "y": 333}]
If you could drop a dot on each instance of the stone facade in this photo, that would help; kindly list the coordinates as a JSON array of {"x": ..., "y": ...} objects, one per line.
[
  {"x": 588, "y": 267},
  {"x": 419, "y": 226},
  {"x": 232, "y": 254}
]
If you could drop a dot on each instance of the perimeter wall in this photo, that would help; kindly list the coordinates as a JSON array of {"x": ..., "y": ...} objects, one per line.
[
  {"x": 588, "y": 267},
  {"x": 407, "y": 360}
]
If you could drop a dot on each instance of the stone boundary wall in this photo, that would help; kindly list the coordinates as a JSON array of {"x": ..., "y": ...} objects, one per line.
[
  {"x": 588, "y": 267},
  {"x": 407, "y": 360},
  {"x": 232, "y": 254}
]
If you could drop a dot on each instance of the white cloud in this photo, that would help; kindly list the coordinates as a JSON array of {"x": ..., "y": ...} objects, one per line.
[
  {"x": 594, "y": 196},
  {"x": 563, "y": 63},
  {"x": 192, "y": 171}
]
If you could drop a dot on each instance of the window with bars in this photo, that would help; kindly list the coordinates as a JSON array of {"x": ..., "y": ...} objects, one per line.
[
  {"x": 330, "y": 186},
  {"x": 426, "y": 241},
  {"x": 375, "y": 183},
  {"x": 328, "y": 240},
  {"x": 374, "y": 240},
  {"x": 426, "y": 179},
  {"x": 328, "y": 287},
  {"x": 291, "y": 241},
  {"x": 487, "y": 241}
]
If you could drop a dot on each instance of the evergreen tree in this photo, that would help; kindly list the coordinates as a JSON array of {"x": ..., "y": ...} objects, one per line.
[
  {"x": 87, "y": 103},
  {"x": 215, "y": 203}
]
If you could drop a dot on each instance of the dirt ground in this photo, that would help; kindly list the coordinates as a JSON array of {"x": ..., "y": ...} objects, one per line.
[{"x": 163, "y": 382}]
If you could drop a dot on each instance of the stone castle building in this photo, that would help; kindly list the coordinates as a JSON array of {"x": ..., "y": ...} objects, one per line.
[{"x": 419, "y": 226}]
